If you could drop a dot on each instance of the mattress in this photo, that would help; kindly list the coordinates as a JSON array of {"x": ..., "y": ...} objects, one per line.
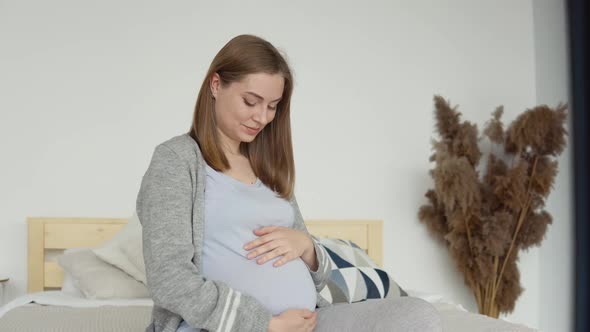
[{"x": 56, "y": 311}]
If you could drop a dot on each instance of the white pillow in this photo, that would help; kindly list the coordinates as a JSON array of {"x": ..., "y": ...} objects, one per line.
[
  {"x": 98, "y": 279},
  {"x": 69, "y": 287},
  {"x": 125, "y": 250}
]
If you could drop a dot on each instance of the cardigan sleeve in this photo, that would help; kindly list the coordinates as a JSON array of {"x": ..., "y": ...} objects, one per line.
[
  {"x": 164, "y": 207},
  {"x": 321, "y": 276}
]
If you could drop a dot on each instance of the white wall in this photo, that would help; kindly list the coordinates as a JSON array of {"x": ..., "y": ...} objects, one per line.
[
  {"x": 556, "y": 253},
  {"x": 89, "y": 89}
]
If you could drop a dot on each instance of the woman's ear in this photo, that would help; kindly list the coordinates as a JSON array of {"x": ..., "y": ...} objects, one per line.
[{"x": 214, "y": 85}]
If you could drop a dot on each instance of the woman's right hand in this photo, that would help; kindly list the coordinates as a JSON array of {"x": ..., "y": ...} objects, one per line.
[{"x": 293, "y": 320}]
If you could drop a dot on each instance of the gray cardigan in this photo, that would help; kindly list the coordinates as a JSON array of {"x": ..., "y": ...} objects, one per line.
[{"x": 170, "y": 206}]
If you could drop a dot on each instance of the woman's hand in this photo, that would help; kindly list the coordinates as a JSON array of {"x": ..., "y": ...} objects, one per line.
[
  {"x": 293, "y": 320},
  {"x": 276, "y": 241}
]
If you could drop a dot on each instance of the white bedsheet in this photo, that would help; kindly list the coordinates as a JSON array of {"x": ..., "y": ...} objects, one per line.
[
  {"x": 456, "y": 318},
  {"x": 433, "y": 298}
]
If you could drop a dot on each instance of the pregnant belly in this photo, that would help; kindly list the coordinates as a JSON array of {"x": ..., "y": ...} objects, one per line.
[{"x": 288, "y": 286}]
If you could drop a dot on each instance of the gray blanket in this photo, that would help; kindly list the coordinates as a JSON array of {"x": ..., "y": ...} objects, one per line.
[{"x": 35, "y": 318}]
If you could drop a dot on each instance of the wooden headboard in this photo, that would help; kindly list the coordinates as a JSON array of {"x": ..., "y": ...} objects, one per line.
[{"x": 63, "y": 233}]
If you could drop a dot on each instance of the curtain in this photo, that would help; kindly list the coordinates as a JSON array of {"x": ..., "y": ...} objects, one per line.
[{"x": 579, "y": 76}]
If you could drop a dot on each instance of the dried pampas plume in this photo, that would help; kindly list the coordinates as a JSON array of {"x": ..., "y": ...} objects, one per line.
[{"x": 484, "y": 220}]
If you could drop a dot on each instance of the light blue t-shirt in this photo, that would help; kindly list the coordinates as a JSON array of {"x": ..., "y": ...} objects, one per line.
[{"x": 233, "y": 210}]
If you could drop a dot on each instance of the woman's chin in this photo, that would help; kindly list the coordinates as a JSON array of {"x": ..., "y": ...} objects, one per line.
[{"x": 247, "y": 138}]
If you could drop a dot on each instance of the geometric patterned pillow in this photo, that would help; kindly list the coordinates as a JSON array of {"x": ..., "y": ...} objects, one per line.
[{"x": 355, "y": 276}]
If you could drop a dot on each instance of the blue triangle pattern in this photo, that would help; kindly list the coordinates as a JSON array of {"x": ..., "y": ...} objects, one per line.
[
  {"x": 372, "y": 291},
  {"x": 340, "y": 263},
  {"x": 338, "y": 288},
  {"x": 384, "y": 280},
  {"x": 338, "y": 280}
]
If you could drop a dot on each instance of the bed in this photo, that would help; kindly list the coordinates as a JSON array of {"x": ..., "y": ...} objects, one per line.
[{"x": 47, "y": 308}]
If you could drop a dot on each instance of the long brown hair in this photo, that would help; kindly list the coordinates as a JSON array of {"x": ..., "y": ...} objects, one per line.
[{"x": 271, "y": 152}]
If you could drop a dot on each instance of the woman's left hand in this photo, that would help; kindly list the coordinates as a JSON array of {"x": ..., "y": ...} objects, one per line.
[{"x": 276, "y": 241}]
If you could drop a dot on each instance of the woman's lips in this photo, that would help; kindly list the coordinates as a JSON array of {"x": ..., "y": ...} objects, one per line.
[{"x": 252, "y": 131}]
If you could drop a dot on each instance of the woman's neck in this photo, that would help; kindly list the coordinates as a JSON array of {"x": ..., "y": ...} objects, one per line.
[
  {"x": 229, "y": 146},
  {"x": 231, "y": 152}
]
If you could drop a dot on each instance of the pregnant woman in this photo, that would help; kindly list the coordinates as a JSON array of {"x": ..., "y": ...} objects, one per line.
[{"x": 224, "y": 242}]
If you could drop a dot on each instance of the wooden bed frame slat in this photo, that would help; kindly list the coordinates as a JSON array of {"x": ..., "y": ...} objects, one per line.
[
  {"x": 64, "y": 233},
  {"x": 72, "y": 235},
  {"x": 36, "y": 256},
  {"x": 54, "y": 275}
]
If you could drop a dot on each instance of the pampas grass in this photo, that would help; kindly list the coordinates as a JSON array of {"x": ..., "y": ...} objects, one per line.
[{"x": 485, "y": 220}]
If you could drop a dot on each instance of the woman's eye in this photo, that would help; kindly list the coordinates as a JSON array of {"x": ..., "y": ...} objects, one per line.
[
  {"x": 273, "y": 108},
  {"x": 247, "y": 103}
]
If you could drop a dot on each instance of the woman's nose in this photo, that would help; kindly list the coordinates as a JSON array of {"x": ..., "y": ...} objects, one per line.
[{"x": 261, "y": 116}]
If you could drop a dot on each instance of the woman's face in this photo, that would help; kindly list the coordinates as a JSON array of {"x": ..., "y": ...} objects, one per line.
[{"x": 243, "y": 108}]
